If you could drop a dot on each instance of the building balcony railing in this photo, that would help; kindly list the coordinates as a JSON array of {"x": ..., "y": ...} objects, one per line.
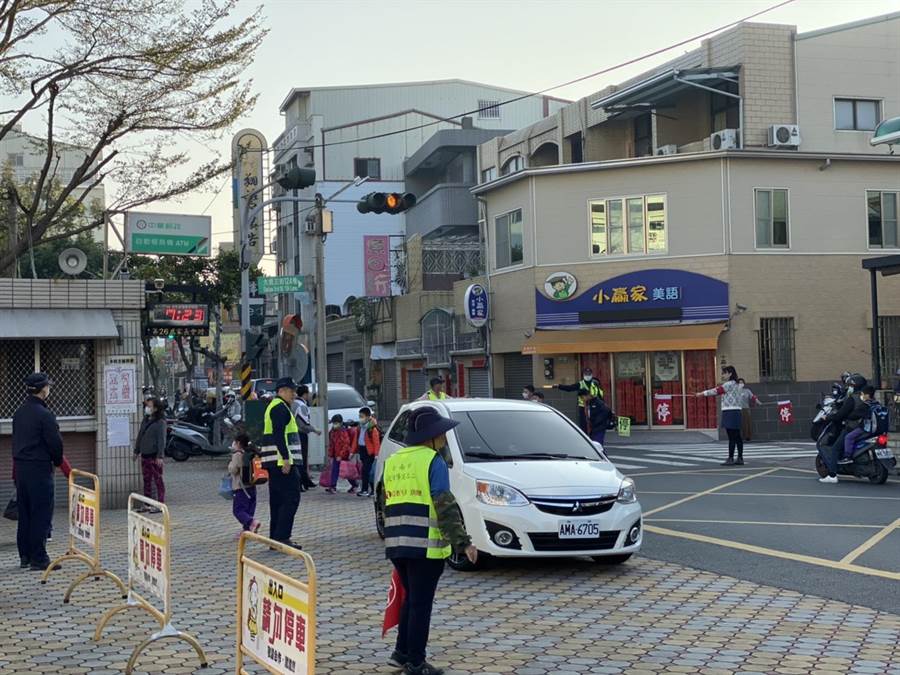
[
  {"x": 468, "y": 342},
  {"x": 440, "y": 354},
  {"x": 412, "y": 347},
  {"x": 444, "y": 205}
]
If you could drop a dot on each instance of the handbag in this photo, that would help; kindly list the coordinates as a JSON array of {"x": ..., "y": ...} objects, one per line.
[
  {"x": 325, "y": 476},
  {"x": 349, "y": 470},
  {"x": 11, "y": 512},
  {"x": 225, "y": 491}
]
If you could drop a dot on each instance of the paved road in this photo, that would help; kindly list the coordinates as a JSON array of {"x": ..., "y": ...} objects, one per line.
[
  {"x": 651, "y": 615},
  {"x": 632, "y": 457}
]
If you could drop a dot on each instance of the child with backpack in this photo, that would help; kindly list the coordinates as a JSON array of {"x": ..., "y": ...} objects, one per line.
[
  {"x": 243, "y": 483},
  {"x": 340, "y": 449}
]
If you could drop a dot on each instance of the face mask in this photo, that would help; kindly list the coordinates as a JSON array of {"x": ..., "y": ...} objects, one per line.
[
  {"x": 336, "y": 425},
  {"x": 363, "y": 422},
  {"x": 148, "y": 410},
  {"x": 588, "y": 378}
]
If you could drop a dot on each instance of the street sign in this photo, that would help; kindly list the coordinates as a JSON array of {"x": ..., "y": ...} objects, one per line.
[
  {"x": 276, "y": 285},
  {"x": 248, "y": 147},
  {"x": 168, "y": 233}
]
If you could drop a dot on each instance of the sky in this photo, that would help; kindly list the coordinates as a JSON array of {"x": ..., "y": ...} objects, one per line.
[{"x": 527, "y": 45}]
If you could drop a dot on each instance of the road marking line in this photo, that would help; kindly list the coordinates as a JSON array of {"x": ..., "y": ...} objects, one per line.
[
  {"x": 703, "y": 493},
  {"x": 772, "y": 494},
  {"x": 626, "y": 466},
  {"x": 652, "y": 461},
  {"x": 712, "y": 472},
  {"x": 759, "y": 522},
  {"x": 775, "y": 553},
  {"x": 792, "y": 468},
  {"x": 869, "y": 543},
  {"x": 703, "y": 460}
]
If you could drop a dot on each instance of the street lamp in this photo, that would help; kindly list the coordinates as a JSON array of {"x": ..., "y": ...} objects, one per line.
[{"x": 887, "y": 133}]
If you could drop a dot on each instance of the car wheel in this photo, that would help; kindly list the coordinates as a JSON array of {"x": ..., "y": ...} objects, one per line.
[
  {"x": 178, "y": 453},
  {"x": 611, "y": 559},
  {"x": 379, "y": 511},
  {"x": 881, "y": 474},
  {"x": 821, "y": 469}
]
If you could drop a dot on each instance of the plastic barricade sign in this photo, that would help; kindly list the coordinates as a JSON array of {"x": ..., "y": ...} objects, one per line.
[
  {"x": 276, "y": 613},
  {"x": 148, "y": 547},
  {"x": 83, "y": 515},
  {"x": 624, "y": 426}
]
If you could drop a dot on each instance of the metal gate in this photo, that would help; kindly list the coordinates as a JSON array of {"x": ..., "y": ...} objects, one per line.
[
  {"x": 518, "y": 373},
  {"x": 479, "y": 383},
  {"x": 418, "y": 384},
  {"x": 335, "y": 367}
]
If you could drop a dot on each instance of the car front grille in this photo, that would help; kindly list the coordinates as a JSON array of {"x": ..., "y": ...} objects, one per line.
[
  {"x": 550, "y": 541},
  {"x": 571, "y": 506}
]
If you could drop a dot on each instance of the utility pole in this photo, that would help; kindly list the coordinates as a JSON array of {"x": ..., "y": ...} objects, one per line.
[
  {"x": 13, "y": 230},
  {"x": 318, "y": 235}
]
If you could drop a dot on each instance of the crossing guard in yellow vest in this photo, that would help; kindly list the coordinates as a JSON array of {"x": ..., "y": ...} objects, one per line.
[
  {"x": 281, "y": 454},
  {"x": 422, "y": 528},
  {"x": 587, "y": 384},
  {"x": 435, "y": 392}
]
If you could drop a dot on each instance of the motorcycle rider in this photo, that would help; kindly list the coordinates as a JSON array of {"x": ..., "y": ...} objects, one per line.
[
  {"x": 859, "y": 423},
  {"x": 852, "y": 408}
]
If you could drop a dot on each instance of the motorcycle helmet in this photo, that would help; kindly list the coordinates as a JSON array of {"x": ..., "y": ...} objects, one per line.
[
  {"x": 856, "y": 381},
  {"x": 845, "y": 376}
]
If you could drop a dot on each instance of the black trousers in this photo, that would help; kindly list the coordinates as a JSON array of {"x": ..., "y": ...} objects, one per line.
[
  {"x": 284, "y": 499},
  {"x": 582, "y": 419},
  {"x": 367, "y": 462},
  {"x": 419, "y": 577},
  {"x": 34, "y": 494},
  {"x": 304, "y": 451},
  {"x": 735, "y": 440}
]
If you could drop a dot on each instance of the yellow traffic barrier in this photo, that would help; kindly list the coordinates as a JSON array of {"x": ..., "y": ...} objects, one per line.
[
  {"x": 276, "y": 614},
  {"x": 84, "y": 528},
  {"x": 149, "y": 571}
]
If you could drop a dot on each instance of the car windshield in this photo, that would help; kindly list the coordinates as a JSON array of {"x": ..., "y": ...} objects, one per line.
[
  {"x": 265, "y": 385},
  {"x": 344, "y": 398},
  {"x": 512, "y": 435}
]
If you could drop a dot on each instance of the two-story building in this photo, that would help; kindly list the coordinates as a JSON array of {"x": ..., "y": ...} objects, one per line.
[{"x": 712, "y": 211}]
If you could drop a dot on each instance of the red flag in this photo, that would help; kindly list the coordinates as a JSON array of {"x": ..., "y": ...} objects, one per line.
[
  {"x": 396, "y": 598},
  {"x": 785, "y": 412},
  {"x": 662, "y": 408}
]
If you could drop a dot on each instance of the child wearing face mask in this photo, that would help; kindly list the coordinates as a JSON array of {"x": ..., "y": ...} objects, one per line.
[
  {"x": 244, "y": 496},
  {"x": 340, "y": 449},
  {"x": 366, "y": 440}
]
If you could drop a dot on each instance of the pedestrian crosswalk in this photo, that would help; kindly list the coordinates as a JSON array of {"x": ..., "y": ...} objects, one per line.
[{"x": 631, "y": 457}]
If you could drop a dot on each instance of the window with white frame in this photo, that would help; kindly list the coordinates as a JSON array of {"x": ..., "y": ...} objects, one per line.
[
  {"x": 628, "y": 225},
  {"x": 509, "y": 238},
  {"x": 367, "y": 167},
  {"x": 488, "y": 110},
  {"x": 772, "y": 219},
  {"x": 488, "y": 174},
  {"x": 882, "y": 209},
  {"x": 856, "y": 114},
  {"x": 513, "y": 164},
  {"x": 16, "y": 159}
]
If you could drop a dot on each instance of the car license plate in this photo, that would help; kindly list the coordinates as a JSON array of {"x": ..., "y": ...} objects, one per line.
[
  {"x": 883, "y": 453},
  {"x": 579, "y": 529}
]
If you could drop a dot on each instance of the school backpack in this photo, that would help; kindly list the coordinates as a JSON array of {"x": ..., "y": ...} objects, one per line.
[
  {"x": 880, "y": 420},
  {"x": 252, "y": 471}
]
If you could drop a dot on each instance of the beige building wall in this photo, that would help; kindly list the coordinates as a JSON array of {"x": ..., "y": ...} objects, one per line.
[{"x": 861, "y": 61}]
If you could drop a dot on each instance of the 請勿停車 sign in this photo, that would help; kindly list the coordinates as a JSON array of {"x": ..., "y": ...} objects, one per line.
[
  {"x": 168, "y": 233},
  {"x": 83, "y": 514},
  {"x": 147, "y": 562}
]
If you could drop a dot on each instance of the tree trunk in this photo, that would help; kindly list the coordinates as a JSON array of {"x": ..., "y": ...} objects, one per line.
[{"x": 152, "y": 366}]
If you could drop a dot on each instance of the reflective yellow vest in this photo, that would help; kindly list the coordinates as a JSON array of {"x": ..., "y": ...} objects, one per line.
[
  {"x": 596, "y": 392},
  {"x": 269, "y": 451},
  {"x": 410, "y": 519},
  {"x": 434, "y": 397}
]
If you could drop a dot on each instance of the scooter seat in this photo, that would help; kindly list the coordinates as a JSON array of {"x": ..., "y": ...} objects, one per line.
[{"x": 193, "y": 427}]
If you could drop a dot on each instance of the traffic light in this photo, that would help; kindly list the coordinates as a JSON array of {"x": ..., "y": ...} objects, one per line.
[
  {"x": 293, "y": 177},
  {"x": 386, "y": 202},
  {"x": 548, "y": 369}
]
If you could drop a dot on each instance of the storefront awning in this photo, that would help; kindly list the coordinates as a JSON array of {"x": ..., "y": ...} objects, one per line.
[
  {"x": 641, "y": 339},
  {"x": 26, "y": 324}
]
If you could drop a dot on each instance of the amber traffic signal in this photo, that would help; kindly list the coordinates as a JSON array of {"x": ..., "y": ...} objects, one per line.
[{"x": 386, "y": 202}]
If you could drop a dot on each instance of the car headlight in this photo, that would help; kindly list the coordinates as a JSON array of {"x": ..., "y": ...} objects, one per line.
[
  {"x": 497, "y": 494},
  {"x": 626, "y": 492}
]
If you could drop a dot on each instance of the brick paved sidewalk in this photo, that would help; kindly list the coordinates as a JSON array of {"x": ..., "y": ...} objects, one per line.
[{"x": 559, "y": 617}]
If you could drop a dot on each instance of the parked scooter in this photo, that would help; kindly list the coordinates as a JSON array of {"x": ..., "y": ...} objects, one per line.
[{"x": 191, "y": 440}]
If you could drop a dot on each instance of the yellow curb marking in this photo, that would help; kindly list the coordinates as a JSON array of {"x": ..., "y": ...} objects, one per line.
[
  {"x": 761, "y": 522},
  {"x": 762, "y": 550},
  {"x": 711, "y": 490},
  {"x": 869, "y": 543}
]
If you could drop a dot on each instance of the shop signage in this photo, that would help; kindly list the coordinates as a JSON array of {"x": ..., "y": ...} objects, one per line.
[
  {"x": 476, "y": 303},
  {"x": 168, "y": 233},
  {"x": 560, "y": 286},
  {"x": 377, "y": 264},
  {"x": 648, "y": 296},
  {"x": 248, "y": 148},
  {"x": 662, "y": 408},
  {"x": 785, "y": 412}
]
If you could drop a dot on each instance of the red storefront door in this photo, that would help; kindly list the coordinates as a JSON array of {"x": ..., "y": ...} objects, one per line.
[{"x": 700, "y": 373}]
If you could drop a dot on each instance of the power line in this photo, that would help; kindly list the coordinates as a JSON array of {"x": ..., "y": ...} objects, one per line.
[
  {"x": 516, "y": 99},
  {"x": 215, "y": 197}
]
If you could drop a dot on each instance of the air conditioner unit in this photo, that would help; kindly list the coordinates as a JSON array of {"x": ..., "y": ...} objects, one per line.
[
  {"x": 670, "y": 149},
  {"x": 726, "y": 139},
  {"x": 784, "y": 136}
]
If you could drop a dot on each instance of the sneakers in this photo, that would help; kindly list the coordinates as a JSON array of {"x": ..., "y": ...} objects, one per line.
[
  {"x": 845, "y": 460},
  {"x": 728, "y": 462},
  {"x": 397, "y": 659},
  {"x": 829, "y": 479},
  {"x": 739, "y": 461},
  {"x": 364, "y": 493},
  {"x": 423, "y": 668}
]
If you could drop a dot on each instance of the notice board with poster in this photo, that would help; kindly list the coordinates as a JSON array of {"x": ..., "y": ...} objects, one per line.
[{"x": 120, "y": 388}]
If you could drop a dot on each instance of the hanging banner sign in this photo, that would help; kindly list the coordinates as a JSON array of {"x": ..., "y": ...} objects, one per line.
[
  {"x": 377, "y": 264},
  {"x": 119, "y": 386},
  {"x": 147, "y": 562},
  {"x": 785, "y": 412},
  {"x": 275, "y": 620},
  {"x": 83, "y": 514},
  {"x": 624, "y": 426},
  {"x": 662, "y": 408},
  {"x": 247, "y": 151},
  {"x": 476, "y": 304}
]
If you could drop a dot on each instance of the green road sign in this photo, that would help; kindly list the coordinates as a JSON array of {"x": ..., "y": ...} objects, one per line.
[{"x": 276, "y": 285}]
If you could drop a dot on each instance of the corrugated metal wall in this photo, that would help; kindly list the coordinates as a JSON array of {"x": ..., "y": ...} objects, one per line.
[
  {"x": 479, "y": 383},
  {"x": 517, "y": 374}
]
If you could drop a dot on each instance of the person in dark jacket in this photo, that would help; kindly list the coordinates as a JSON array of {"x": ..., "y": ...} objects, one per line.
[
  {"x": 151, "y": 448},
  {"x": 282, "y": 456},
  {"x": 37, "y": 447},
  {"x": 588, "y": 383},
  {"x": 852, "y": 408},
  {"x": 598, "y": 415}
]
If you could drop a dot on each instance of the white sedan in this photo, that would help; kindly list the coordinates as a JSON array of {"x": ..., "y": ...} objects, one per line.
[{"x": 529, "y": 483}]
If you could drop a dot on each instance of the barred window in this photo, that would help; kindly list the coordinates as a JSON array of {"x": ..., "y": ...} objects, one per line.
[
  {"x": 889, "y": 343},
  {"x": 437, "y": 336},
  {"x": 776, "y": 350},
  {"x": 488, "y": 110},
  {"x": 16, "y": 363},
  {"x": 70, "y": 365}
]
